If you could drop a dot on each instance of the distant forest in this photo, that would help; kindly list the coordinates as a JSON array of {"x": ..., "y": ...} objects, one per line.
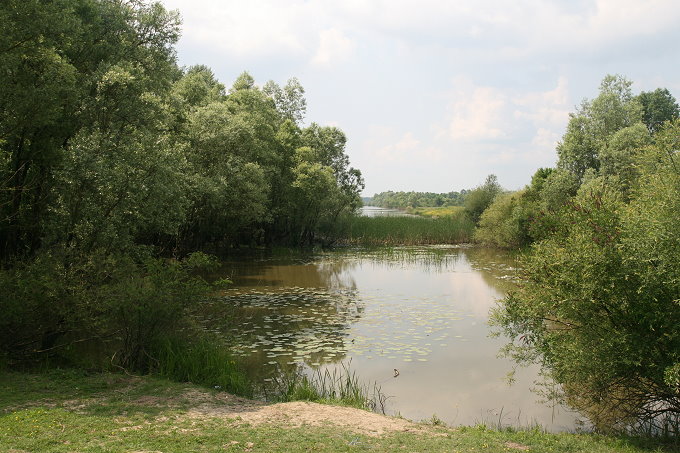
[{"x": 403, "y": 200}]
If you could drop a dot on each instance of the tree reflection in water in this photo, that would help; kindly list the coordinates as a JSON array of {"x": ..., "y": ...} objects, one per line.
[{"x": 422, "y": 310}]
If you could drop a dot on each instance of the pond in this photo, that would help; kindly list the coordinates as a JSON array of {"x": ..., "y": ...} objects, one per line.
[{"x": 420, "y": 310}]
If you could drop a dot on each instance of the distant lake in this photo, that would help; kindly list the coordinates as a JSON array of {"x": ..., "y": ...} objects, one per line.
[{"x": 374, "y": 211}]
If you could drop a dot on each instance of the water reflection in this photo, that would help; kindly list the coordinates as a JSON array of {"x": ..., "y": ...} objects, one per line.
[
  {"x": 374, "y": 211},
  {"x": 422, "y": 310}
]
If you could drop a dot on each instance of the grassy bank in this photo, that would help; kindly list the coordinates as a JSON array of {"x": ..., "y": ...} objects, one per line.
[
  {"x": 65, "y": 411},
  {"x": 454, "y": 229}
]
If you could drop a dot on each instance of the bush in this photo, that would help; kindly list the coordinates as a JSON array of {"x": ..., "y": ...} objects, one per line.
[
  {"x": 599, "y": 304},
  {"x": 478, "y": 199},
  {"x": 516, "y": 219},
  {"x": 506, "y": 222},
  {"x": 62, "y": 298}
]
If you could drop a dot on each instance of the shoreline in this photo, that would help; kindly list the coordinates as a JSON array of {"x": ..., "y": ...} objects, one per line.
[{"x": 71, "y": 410}]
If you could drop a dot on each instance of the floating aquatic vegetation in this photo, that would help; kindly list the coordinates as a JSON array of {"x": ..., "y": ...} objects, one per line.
[{"x": 316, "y": 325}]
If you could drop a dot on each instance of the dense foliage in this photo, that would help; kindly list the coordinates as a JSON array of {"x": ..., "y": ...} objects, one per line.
[
  {"x": 478, "y": 199},
  {"x": 104, "y": 142},
  {"x": 112, "y": 156},
  {"x": 599, "y": 301},
  {"x": 603, "y": 141}
]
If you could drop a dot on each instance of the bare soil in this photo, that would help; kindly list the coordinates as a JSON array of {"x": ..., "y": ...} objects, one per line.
[{"x": 294, "y": 414}]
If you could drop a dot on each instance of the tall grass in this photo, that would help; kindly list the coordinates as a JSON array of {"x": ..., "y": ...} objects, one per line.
[
  {"x": 202, "y": 361},
  {"x": 340, "y": 386},
  {"x": 454, "y": 229}
]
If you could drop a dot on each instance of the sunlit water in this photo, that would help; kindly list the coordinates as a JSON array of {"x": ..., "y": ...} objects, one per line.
[
  {"x": 374, "y": 211},
  {"x": 420, "y": 310}
]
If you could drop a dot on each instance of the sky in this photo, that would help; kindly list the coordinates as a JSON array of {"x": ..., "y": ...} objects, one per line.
[{"x": 436, "y": 95}]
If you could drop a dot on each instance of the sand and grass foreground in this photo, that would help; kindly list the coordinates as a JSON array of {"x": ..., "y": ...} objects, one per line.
[{"x": 70, "y": 411}]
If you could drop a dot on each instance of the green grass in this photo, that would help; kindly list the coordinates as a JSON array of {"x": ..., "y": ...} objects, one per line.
[
  {"x": 203, "y": 361},
  {"x": 67, "y": 411},
  {"x": 407, "y": 230}
]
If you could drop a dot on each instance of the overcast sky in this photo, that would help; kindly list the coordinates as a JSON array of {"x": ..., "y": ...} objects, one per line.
[{"x": 435, "y": 95}]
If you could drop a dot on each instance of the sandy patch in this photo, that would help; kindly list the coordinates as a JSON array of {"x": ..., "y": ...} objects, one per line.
[{"x": 296, "y": 414}]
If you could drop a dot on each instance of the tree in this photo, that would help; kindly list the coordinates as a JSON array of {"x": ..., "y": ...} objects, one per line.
[
  {"x": 590, "y": 128},
  {"x": 619, "y": 157},
  {"x": 598, "y": 304},
  {"x": 478, "y": 199},
  {"x": 290, "y": 100},
  {"x": 516, "y": 219},
  {"x": 500, "y": 224},
  {"x": 316, "y": 193},
  {"x": 614, "y": 108},
  {"x": 658, "y": 106},
  {"x": 67, "y": 65},
  {"x": 328, "y": 146},
  {"x": 196, "y": 88},
  {"x": 227, "y": 154}
]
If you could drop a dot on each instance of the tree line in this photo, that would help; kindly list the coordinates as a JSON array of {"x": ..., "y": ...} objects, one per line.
[
  {"x": 403, "y": 200},
  {"x": 106, "y": 142},
  {"x": 116, "y": 164}
]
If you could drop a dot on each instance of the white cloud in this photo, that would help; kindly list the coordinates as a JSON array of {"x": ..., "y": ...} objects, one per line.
[
  {"x": 319, "y": 30},
  {"x": 334, "y": 47},
  {"x": 514, "y": 29},
  {"x": 545, "y": 139},
  {"x": 494, "y": 118},
  {"x": 621, "y": 18},
  {"x": 498, "y": 127},
  {"x": 330, "y": 123},
  {"x": 256, "y": 28},
  {"x": 545, "y": 108},
  {"x": 402, "y": 150},
  {"x": 385, "y": 145},
  {"x": 477, "y": 113}
]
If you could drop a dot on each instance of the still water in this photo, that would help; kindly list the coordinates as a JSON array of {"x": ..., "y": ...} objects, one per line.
[
  {"x": 420, "y": 310},
  {"x": 375, "y": 211}
]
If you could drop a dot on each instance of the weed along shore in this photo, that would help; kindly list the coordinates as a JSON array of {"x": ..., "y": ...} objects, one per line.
[{"x": 67, "y": 411}]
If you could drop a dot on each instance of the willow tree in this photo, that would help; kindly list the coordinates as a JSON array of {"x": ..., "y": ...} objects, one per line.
[
  {"x": 599, "y": 303},
  {"x": 76, "y": 77}
]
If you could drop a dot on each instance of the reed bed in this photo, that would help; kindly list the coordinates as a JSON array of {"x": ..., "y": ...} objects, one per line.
[
  {"x": 455, "y": 229},
  {"x": 339, "y": 385}
]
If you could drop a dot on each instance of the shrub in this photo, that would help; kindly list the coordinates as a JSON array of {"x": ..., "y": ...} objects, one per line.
[
  {"x": 599, "y": 304},
  {"x": 506, "y": 222},
  {"x": 62, "y": 298},
  {"x": 478, "y": 199}
]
